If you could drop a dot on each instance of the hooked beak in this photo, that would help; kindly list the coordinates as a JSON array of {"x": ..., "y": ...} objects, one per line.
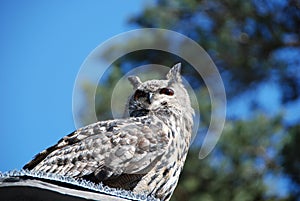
[{"x": 149, "y": 97}]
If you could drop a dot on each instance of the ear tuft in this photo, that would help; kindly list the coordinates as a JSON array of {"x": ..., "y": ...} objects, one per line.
[
  {"x": 174, "y": 73},
  {"x": 135, "y": 81}
]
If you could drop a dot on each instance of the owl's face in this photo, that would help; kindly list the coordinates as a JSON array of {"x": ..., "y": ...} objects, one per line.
[{"x": 159, "y": 96}]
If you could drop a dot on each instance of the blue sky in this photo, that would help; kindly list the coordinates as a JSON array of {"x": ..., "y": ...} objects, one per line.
[{"x": 43, "y": 44}]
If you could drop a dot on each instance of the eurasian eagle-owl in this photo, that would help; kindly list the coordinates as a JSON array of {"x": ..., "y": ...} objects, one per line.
[{"x": 144, "y": 153}]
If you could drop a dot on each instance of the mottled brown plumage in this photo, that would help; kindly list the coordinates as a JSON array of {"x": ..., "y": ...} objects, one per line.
[{"x": 144, "y": 153}]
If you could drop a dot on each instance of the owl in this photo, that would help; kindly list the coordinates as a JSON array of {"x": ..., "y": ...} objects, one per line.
[{"x": 144, "y": 153}]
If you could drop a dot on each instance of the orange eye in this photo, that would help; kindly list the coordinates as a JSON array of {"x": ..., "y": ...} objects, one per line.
[
  {"x": 167, "y": 91},
  {"x": 139, "y": 94}
]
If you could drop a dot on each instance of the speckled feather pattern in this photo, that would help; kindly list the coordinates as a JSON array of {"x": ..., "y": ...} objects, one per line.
[{"x": 144, "y": 153}]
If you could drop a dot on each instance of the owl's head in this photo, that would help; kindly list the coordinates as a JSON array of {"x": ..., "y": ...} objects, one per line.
[{"x": 167, "y": 96}]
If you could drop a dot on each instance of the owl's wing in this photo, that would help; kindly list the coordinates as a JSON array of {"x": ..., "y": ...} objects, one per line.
[{"x": 130, "y": 146}]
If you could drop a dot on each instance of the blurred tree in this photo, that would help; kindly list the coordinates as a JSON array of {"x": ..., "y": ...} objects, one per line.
[
  {"x": 252, "y": 43},
  {"x": 291, "y": 159},
  {"x": 237, "y": 166},
  {"x": 249, "y": 41}
]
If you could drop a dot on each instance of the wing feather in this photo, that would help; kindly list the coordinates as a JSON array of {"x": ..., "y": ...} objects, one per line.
[{"x": 124, "y": 146}]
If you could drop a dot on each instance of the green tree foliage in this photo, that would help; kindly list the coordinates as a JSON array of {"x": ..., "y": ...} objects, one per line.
[
  {"x": 291, "y": 157},
  {"x": 241, "y": 37},
  {"x": 236, "y": 168},
  {"x": 252, "y": 43}
]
